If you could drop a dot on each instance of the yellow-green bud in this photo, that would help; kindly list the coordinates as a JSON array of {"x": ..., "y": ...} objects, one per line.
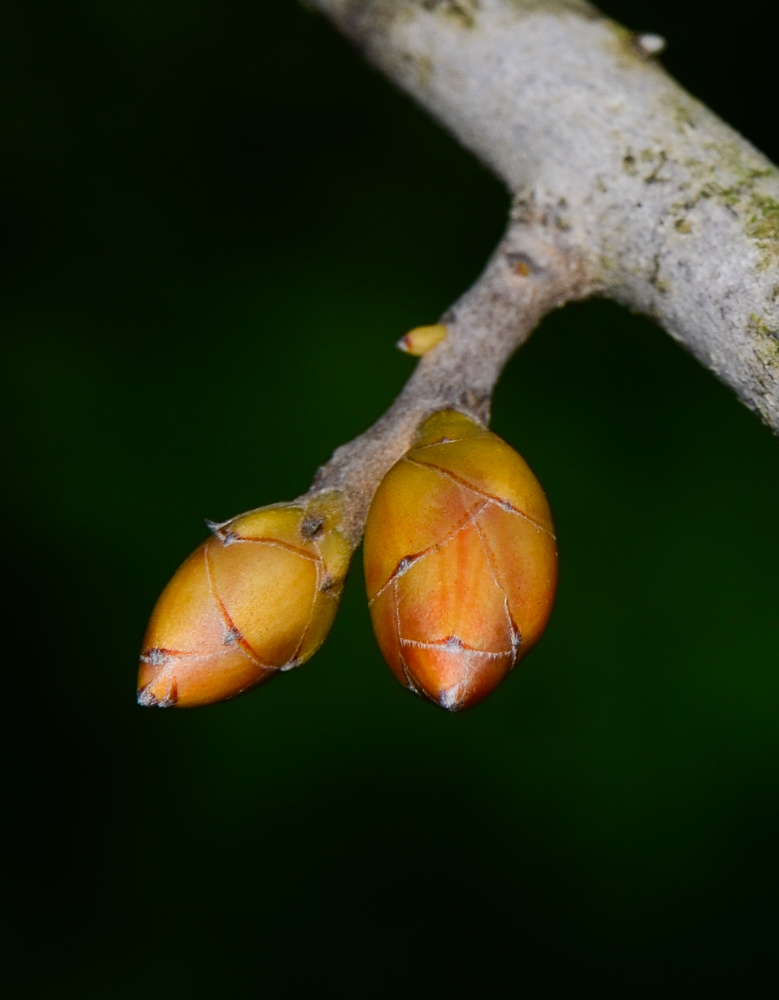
[
  {"x": 422, "y": 339},
  {"x": 460, "y": 562},
  {"x": 256, "y": 598}
]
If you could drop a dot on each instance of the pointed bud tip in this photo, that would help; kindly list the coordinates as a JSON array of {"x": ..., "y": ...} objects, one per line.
[
  {"x": 147, "y": 698},
  {"x": 451, "y": 699}
]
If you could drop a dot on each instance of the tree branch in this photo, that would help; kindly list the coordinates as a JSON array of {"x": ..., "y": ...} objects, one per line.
[
  {"x": 667, "y": 209},
  {"x": 623, "y": 185}
]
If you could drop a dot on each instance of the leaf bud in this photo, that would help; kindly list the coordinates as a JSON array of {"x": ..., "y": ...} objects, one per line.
[
  {"x": 256, "y": 598},
  {"x": 460, "y": 562},
  {"x": 422, "y": 339}
]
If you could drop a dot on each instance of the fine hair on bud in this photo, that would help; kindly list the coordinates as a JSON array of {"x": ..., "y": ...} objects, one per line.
[
  {"x": 257, "y": 598},
  {"x": 460, "y": 562}
]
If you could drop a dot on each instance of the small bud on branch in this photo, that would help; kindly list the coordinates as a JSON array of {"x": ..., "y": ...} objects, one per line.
[{"x": 422, "y": 339}]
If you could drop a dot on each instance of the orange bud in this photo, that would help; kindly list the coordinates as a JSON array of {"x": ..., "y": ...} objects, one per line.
[
  {"x": 460, "y": 562},
  {"x": 257, "y": 598}
]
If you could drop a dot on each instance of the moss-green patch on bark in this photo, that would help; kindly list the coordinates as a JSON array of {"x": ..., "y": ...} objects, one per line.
[
  {"x": 766, "y": 341},
  {"x": 763, "y": 223}
]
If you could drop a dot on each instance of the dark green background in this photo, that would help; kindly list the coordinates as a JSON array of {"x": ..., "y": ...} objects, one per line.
[{"x": 216, "y": 221}]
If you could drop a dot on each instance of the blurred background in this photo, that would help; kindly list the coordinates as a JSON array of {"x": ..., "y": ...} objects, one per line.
[{"x": 216, "y": 221}]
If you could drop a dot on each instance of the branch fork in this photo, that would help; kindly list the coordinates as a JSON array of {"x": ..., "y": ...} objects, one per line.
[{"x": 534, "y": 270}]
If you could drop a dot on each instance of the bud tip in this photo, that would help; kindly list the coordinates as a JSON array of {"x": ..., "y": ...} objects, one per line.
[
  {"x": 451, "y": 699},
  {"x": 148, "y": 697}
]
